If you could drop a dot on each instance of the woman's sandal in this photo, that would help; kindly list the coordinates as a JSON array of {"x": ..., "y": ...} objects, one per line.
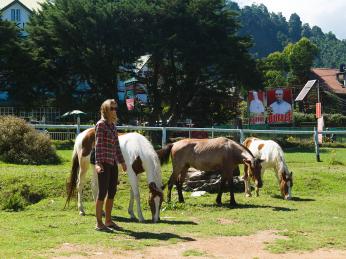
[
  {"x": 104, "y": 229},
  {"x": 115, "y": 227}
]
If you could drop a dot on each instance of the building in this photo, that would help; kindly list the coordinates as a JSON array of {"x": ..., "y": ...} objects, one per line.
[
  {"x": 18, "y": 11},
  {"x": 333, "y": 88}
]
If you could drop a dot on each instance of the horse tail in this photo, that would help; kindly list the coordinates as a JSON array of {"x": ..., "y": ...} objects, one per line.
[
  {"x": 164, "y": 153},
  {"x": 71, "y": 185}
]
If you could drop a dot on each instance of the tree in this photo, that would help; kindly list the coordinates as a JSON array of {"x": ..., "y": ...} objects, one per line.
[
  {"x": 15, "y": 65},
  {"x": 196, "y": 57},
  {"x": 301, "y": 56},
  {"x": 83, "y": 41},
  {"x": 294, "y": 27}
]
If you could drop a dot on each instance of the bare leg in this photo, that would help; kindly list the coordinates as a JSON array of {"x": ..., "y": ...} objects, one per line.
[
  {"x": 108, "y": 208},
  {"x": 99, "y": 206}
]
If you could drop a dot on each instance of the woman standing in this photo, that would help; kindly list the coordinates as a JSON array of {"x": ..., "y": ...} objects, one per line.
[{"x": 107, "y": 154}]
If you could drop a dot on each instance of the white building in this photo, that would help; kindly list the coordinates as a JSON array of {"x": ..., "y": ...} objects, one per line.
[{"x": 18, "y": 11}]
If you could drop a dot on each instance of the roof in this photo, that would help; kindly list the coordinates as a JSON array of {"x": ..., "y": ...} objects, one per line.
[
  {"x": 30, "y": 4},
  {"x": 327, "y": 78}
]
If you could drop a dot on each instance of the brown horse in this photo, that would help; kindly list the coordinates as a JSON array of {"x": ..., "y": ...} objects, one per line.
[{"x": 219, "y": 154}]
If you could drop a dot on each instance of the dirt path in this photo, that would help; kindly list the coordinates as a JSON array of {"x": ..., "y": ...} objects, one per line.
[{"x": 245, "y": 247}]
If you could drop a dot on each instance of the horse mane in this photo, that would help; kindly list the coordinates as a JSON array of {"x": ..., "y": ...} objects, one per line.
[{"x": 246, "y": 149}]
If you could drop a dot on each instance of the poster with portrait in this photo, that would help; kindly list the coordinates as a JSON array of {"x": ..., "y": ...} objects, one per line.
[
  {"x": 256, "y": 106},
  {"x": 279, "y": 105}
]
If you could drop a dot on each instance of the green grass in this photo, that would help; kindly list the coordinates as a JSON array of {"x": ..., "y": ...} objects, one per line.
[{"x": 313, "y": 219}]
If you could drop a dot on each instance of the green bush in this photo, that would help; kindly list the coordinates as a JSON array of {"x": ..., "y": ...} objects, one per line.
[
  {"x": 22, "y": 144},
  {"x": 330, "y": 120}
]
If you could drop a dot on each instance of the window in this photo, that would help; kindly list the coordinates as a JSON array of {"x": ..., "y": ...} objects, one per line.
[
  {"x": 18, "y": 15},
  {"x": 15, "y": 15}
]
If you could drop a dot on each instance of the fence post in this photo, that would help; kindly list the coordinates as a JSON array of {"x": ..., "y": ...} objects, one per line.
[
  {"x": 212, "y": 132},
  {"x": 164, "y": 134},
  {"x": 317, "y": 147},
  {"x": 241, "y": 132},
  {"x": 78, "y": 125}
]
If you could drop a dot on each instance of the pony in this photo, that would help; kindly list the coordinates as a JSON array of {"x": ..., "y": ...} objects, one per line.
[
  {"x": 219, "y": 154},
  {"x": 139, "y": 156},
  {"x": 273, "y": 157}
]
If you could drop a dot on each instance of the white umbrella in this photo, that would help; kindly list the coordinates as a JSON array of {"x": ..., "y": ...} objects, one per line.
[{"x": 74, "y": 112}]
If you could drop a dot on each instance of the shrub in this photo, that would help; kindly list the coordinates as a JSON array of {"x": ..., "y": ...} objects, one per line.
[{"x": 22, "y": 144}]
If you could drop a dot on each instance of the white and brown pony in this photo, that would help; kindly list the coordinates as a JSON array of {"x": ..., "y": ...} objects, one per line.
[
  {"x": 219, "y": 154},
  {"x": 139, "y": 156},
  {"x": 273, "y": 157}
]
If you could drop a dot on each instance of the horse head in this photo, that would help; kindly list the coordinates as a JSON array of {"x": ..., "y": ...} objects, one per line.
[
  {"x": 286, "y": 184},
  {"x": 254, "y": 170},
  {"x": 155, "y": 201}
]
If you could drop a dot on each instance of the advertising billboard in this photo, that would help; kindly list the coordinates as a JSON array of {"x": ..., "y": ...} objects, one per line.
[
  {"x": 279, "y": 106},
  {"x": 256, "y": 104}
]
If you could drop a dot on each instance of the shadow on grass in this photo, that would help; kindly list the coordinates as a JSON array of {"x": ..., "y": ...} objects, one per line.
[
  {"x": 157, "y": 236},
  {"x": 174, "y": 222},
  {"x": 250, "y": 206},
  {"x": 275, "y": 196}
]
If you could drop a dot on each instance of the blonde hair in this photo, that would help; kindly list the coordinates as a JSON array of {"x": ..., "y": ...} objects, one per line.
[{"x": 106, "y": 108}]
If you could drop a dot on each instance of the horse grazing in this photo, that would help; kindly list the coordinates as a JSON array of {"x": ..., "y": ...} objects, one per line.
[
  {"x": 273, "y": 157},
  {"x": 139, "y": 156},
  {"x": 219, "y": 154}
]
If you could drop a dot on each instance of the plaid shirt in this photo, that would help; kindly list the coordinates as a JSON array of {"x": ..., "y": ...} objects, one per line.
[{"x": 107, "y": 144}]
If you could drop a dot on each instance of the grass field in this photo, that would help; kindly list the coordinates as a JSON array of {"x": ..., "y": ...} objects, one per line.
[{"x": 314, "y": 219}]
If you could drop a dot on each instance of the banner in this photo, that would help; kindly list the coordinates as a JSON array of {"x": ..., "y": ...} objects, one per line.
[
  {"x": 279, "y": 106},
  {"x": 318, "y": 110},
  {"x": 256, "y": 107},
  {"x": 130, "y": 103},
  {"x": 320, "y": 126}
]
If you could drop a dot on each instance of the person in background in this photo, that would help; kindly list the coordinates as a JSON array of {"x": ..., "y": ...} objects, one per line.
[
  {"x": 107, "y": 155},
  {"x": 256, "y": 105},
  {"x": 280, "y": 106}
]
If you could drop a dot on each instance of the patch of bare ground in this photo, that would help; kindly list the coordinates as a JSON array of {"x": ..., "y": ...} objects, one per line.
[{"x": 243, "y": 247}]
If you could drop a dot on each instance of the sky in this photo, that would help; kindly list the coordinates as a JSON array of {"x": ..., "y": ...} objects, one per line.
[{"x": 328, "y": 15}]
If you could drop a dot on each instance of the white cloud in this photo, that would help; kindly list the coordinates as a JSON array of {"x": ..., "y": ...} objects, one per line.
[{"x": 328, "y": 15}]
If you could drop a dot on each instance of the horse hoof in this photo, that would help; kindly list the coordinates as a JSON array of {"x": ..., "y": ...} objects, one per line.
[
  {"x": 141, "y": 220},
  {"x": 219, "y": 204},
  {"x": 81, "y": 213},
  {"x": 248, "y": 195}
]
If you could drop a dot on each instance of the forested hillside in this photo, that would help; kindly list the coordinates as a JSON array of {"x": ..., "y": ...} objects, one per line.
[{"x": 272, "y": 32}]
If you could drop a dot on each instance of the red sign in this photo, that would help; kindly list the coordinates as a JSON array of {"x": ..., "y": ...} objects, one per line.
[
  {"x": 279, "y": 105},
  {"x": 256, "y": 107},
  {"x": 318, "y": 110}
]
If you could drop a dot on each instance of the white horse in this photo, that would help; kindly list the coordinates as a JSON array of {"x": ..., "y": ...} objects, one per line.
[
  {"x": 273, "y": 157},
  {"x": 139, "y": 156}
]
